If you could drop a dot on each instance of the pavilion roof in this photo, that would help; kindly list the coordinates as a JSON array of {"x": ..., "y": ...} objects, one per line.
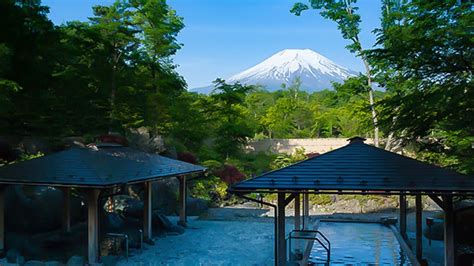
[
  {"x": 99, "y": 167},
  {"x": 363, "y": 168}
]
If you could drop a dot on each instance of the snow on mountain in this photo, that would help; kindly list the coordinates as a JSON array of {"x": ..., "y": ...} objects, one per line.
[{"x": 315, "y": 71}]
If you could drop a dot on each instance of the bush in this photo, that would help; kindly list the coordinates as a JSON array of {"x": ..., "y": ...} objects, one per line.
[
  {"x": 229, "y": 174},
  {"x": 187, "y": 157},
  {"x": 210, "y": 188}
]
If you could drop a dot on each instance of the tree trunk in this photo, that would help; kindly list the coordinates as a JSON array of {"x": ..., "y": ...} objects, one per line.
[
  {"x": 113, "y": 93},
  {"x": 371, "y": 101}
]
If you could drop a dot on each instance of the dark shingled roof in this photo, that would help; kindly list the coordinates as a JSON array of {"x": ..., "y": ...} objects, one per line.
[
  {"x": 360, "y": 167},
  {"x": 89, "y": 167}
]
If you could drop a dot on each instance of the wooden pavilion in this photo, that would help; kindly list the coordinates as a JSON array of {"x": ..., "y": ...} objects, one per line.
[
  {"x": 94, "y": 170},
  {"x": 359, "y": 168}
]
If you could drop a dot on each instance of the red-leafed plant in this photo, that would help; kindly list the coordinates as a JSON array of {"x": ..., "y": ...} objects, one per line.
[
  {"x": 229, "y": 174},
  {"x": 187, "y": 157}
]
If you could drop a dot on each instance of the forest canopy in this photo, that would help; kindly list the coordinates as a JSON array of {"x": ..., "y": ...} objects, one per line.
[{"x": 116, "y": 71}]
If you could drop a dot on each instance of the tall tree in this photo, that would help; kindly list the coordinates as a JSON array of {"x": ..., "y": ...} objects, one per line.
[
  {"x": 117, "y": 37},
  {"x": 225, "y": 111},
  {"x": 425, "y": 59},
  {"x": 343, "y": 12}
]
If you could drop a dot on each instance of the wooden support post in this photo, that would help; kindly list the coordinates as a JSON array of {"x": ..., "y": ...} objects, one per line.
[
  {"x": 2, "y": 220},
  {"x": 419, "y": 229},
  {"x": 305, "y": 211},
  {"x": 403, "y": 215},
  {"x": 147, "y": 212},
  {"x": 297, "y": 212},
  {"x": 281, "y": 259},
  {"x": 93, "y": 225},
  {"x": 182, "y": 201},
  {"x": 66, "y": 209},
  {"x": 449, "y": 234}
]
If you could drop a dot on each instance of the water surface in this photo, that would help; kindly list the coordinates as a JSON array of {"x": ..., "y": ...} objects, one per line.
[{"x": 359, "y": 244}]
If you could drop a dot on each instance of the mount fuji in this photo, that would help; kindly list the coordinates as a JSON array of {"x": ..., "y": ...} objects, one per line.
[{"x": 315, "y": 71}]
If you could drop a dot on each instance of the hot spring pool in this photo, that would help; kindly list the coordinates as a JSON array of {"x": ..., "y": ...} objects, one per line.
[{"x": 359, "y": 244}]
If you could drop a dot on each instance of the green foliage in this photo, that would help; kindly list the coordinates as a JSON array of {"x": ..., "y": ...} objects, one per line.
[
  {"x": 344, "y": 13},
  {"x": 320, "y": 199},
  {"x": 108, "y": 74},
  {"x": 224, "y": 110},
  {"x": 210, "y": 188},
  {"x": 26, "y": 157},
  {"x": 284, "y": 160},
  {"x": 340, "y": 11},
  {"x": 425, "y": 60}
]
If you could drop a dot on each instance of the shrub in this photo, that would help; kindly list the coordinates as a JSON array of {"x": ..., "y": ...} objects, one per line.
[
  {"x": 229, "y": 174},
  {"x": 187, "y": 157}
]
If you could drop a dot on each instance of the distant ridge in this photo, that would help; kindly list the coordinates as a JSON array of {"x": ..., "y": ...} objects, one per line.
[{"x": 315, "y": 71}]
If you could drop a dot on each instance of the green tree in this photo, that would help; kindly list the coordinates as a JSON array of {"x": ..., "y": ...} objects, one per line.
[
  {"x": 28, "y": 44},
  {"x": 343, "y": 12},
  {"x": 225, "y": 109},
  {"x": 425, "y": 59}
]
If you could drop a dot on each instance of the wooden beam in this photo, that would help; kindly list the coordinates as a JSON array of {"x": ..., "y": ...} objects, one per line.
[
  {"x": 403, "y": 215},
  {"x": 281, "y": 233},
  {"x": 66, "y": 219},
  {"x": 147, "y": 211},
  {"x": 419, "y": 224},
  {"x": 290, "y": 198},
  {"x": 449, "y": 233},
  {"x": 438, "y": 201},
  {"x": 93, "y": 225},
  {"x": 305, "y": 211},
  {"x": 297, "y": 213},
  {"x": 2, "y": 220},
  {"x": 182, "y": 201}
]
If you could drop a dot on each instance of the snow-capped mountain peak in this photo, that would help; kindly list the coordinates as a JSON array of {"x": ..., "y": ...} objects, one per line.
[{"x": 315, "y": 71}]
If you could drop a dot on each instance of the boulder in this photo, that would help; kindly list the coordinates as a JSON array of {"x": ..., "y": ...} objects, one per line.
[
  {"x": 35, "y": 209},
  {"x": 165, "y": 195},
  {"x": 145, "y": 140},
  {"x": 196, "y": 207},
  {"x": 76, "y": 261},
  {"x": 112, "y": 221},
  {"x": 161, "y": 223},
  {"x": 132, "y": 208},
  {"x": 164, "y": 198}
]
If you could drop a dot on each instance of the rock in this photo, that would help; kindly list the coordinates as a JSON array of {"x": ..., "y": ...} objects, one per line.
[
  {"x": 162, "y": 223},
  {"x": 164, "y": 198},
  {"x": 34, "y": 263},
  {"x": 113, "y": 221},
  {"x": 76, "y": 261},
  {"x": 33, "y": 145},
  {"x": 37, "y": 209},
  {"x": 141, "y": 138},
  {"x": 133, "y": 208},
  {"x": 165, "y": 195},
  {"x": 196, "y": 207},
  {"x": 74, "y": 142}
]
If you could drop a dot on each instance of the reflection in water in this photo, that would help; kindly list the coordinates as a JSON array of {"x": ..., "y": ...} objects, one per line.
[{"x": 360, "y": 244}]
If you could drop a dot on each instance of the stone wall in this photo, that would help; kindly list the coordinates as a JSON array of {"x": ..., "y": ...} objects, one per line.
[{"x": 317, "y": 145}]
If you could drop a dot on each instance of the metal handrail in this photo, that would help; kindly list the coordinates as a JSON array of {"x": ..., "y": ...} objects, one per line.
[{"x": 315, "y": 237}]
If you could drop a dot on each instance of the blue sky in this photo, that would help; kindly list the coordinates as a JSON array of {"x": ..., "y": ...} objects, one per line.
[{"x": 224, "y": 37}]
